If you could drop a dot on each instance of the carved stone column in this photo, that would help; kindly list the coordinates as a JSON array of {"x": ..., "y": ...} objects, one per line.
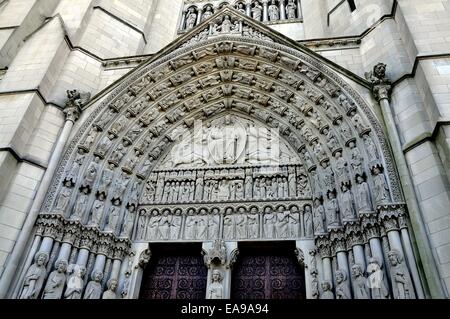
[
  {"x": 299, "y": 8},
  {"x": 248, "y": 9},
  {"x": 265, "y": 10},
  {"x": 338, "y": 239},
  {"x": 282, "y": 10},
  {"x": 381, "y": 89},
  {"x": 323, "y": 244},
  {"x": 355, "y": 241},
  {"x": 199, "y": 17},
  {"x": 219, "y": 257},
  {"x": 304, "y": 247},
  {"x": 182, "y": 21},
  {"x": 138, "y": 263},
  {"x": 72, "y": 112}
]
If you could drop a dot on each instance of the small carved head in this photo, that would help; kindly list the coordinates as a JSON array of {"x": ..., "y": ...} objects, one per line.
[
  {"x": 357, "y": 270},
  {"x": 112, "y": 284},
  {"x": 41, "y": 258},
  {"x": 216, "y": 275},
  {"x": 395, "y": 257},
  {"x": 97, "y": 275},
  {"x": 326, "y": 286},
  {"x": 340, "y": 276},
  {"x": 61, "y": 266},
  {"x": 379, "y": 70}
]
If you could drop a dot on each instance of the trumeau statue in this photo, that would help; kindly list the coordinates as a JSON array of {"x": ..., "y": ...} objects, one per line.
[
  {"x": 215, "y": 288},
  {"x": 34, "y": 277},
  {"x": 56, "y": 281},
  {"x": 401, "y": 280},
  {"x": 94, "y": 288}
]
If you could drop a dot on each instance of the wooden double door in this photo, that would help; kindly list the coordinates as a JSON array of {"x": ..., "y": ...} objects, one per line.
[{"x": 262, "y": 271}]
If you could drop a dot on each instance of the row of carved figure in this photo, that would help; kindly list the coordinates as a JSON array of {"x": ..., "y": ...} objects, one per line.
[
  {"x": 275, "y": 10},
  {"x": 105, "y": 208},
  {"x": 65, "y": 282},
  {"x": 367, "y": 283},
  {"x": 237, "y": 223},
  {"x": 228, "y": 189}
]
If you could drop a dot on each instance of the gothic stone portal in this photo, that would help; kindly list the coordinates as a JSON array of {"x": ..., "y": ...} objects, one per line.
[
  {"x": 268, "y": 271},
  {"x": 175, "y": 272}
]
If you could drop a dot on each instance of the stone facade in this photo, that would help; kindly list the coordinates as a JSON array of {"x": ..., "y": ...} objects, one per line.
[{"x": 123, "y": 124}]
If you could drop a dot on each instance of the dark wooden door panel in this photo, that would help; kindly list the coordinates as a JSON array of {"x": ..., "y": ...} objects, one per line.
[
  {"x": 173, "y": 276},
  {"x": 267, "y": 273}
]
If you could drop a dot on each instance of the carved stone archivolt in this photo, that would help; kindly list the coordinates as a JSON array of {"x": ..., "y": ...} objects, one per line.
[{"x": 285, "y": 151}]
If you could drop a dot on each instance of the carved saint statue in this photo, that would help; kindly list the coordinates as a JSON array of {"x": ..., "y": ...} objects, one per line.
[
  {"x": 128, "y": 222},
  {"x": 342, "y": 289},
  {"x": 257, "y": 11},
  {"x": 56, "y": 281},
  {"x": 332, "y": 210},
  {"x": 356, "y": 159},
  {"x": 308, "y": 218},
  {"x": 363, "y": 195},
  {"x": 381, "y": 187},
  {"x": 361, "y": 290},
  {"x": 371, "y": 149},
  {"x": 97, "y": 210},
  {"x": 91, "y": 173},
  {"x": 229, "y": 224},
  {"x": 291, "y": 9},
  {"x": 346, "y": 204},
  {"x": 375, "y": 281},
  {"x": 72, "y": 175},
  {"x": 75, "y": 282},
  {"x": 274, "y": 11},
  {"x": 191, "y": 18},
  {"x": 327, "y": 293},
  {"x": 34, "y": 277},
  {"x": 80, "y": 205},
  {"x": 318, "y": 217},
  {"x": 215, "y": 289},
  {"x": 253, "y": 223},
  {"x": 106, "y": 179},
  {"x": 208, "y": 12},
  {"x": 269, "y": 223},
  {"x": 175, "y": 227},
  {"x": 111, "y": 292},
  {"x": 94, "y": 287},
  {"x": 401, "y": 280},
  {"x": 64, "y": 197},
  {"x": 113, "y": 217}
]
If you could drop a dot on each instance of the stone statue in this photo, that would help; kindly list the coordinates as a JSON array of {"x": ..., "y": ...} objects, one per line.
[
  {"x": 191, "y": 18},
  {"x": 294, "y": 223},
  {"x": 214, "y": 224},
  {"x": 142, "y": 225},
  {"x": 381, "y": 85},
  {"x": 356, "y": 160},
  {"x": 381, "y": 187},
  {"x": 72, "y": 175},
  {"x": 97, "y": 210},
  {"x": 56, "y": 281},
  {"x": 282, "y": 223},
  {"x": 191, "y": 225},
  {"x": 106, "y": 179},
  {"x": 120, "y": 185},
  {"x": 104, "y": 145},
  {"x": 270, "y": 220},
  {"x": 257, "y": 11},
  {"x": 175, "y": 226},
  {"x": 253, "y": 223},
  {"x": 328, "y": 177},
  {"x": 113, "y": 217},
  {"x": 363, "y": 195},
  {"x": 308, "y": 220},
  {"x": 64, "y": 197},
  {"x": 375, "y": 281},
  {"x": 94, "y": 287},
  {"x": 128, "y": 222},
  {"x": 80, "y": 205},
  {"x": 240, "y": 8},
  {"x": 226, "y": 25},
  {"x": 111, "y": 292},
  {"x": 208, "y": 12},
  {"x": 34, "y": 277},
  {"x": 75, "y": 282},
  {"x": 199, "y": 188},
  {"x": 91, "y": 173},
  {"x": 361, "y": 290},
  {"x": 371, "y": 149},
  {"x": 345, "y": 129},
  {"x": 332, "y": 210},
  {"x": 248, "y": 187},
  {"x": 291, "y": 9},
  {"x": 342, "y": 289},
  {"x": 318, "y": 217},
  {"x": 152, "y": 225},
  {"x": 274, "y": 12},
  {"x": 215, "y": 289},
  {"x": 202, "y": 225},
  {"x": 241, "y": 224},
  {"x": 401, "y": 280},
  {"x": 229, "y": 224},
  {"x": 341, "y": 168},
  {"x": 327, "y": 293},
  {"x": 346, "y": 204}
]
